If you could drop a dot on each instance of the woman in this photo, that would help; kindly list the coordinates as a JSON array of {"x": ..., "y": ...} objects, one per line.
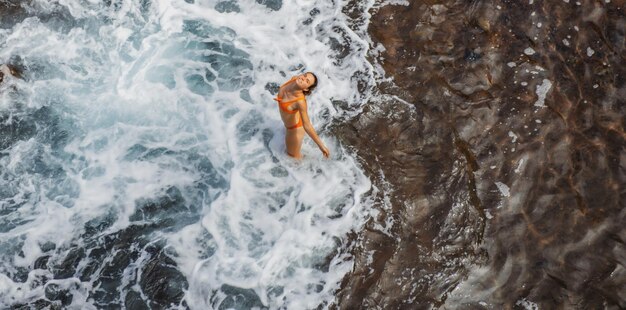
[{"x": 293, "y": 110}]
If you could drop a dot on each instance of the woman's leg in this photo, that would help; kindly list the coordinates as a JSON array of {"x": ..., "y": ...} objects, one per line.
[{"x": 293, "y": 141}]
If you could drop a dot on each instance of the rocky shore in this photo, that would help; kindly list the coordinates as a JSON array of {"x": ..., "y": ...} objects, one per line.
[{"x": 497, "y": 143}]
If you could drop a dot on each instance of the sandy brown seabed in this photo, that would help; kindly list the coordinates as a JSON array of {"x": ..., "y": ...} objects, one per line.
[{"x": 490, "y": 196}]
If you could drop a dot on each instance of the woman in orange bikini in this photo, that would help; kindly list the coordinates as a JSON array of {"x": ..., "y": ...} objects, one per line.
[{"x": 293, "y": 111}]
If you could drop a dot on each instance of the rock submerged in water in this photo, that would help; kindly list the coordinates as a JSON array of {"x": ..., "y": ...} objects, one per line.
[
  {"x": 161, "y": 282},
  {"x": 274, "y": 5},
  {"x": 53, "y": 292},
  {"x": 7, "y": 71}
]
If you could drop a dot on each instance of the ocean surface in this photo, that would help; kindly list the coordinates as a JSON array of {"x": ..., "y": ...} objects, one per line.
[{"x": 142, "y": 160}]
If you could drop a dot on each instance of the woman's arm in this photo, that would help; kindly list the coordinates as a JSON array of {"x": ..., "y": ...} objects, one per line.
[{"x": 308, "y": 127}]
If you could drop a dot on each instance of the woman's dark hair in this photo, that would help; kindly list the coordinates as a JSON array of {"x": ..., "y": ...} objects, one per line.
[{"x": 312, "y": 87}]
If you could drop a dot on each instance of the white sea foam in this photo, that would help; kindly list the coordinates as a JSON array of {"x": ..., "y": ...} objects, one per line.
[
  {"x": 149, "y": 102},
  {"x": 513, "y": 136},
  {"x": 542, "y": 92},
  {"x": 526, "y": 304},
  {"x": 503, "y": 188}
]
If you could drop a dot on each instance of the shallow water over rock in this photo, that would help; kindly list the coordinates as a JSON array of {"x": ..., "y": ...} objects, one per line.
[{"x": 499, "y": 147}]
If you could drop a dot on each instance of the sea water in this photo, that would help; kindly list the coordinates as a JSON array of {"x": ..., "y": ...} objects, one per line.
[{"x": 142, "y": 154}]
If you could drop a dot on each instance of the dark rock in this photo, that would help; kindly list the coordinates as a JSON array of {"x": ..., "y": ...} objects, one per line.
[
  {"x": 134, "y": 301},
  {"x": 67, "y": 268},
  {"x": 467, "y": 122},
  {"x": 47, "y": 246},
  {"x": 239, "y": 298},
  {"x": 227, "y": 7},
  {"x": 41, "y": 262},
  {"x": 95, "y": 259},
  {"x": 160, "y": 281},
  {"x": 54, "y": 292},
  {"x": 273, "y": 88},
  {"x": 99, "y": 224},
  {"x": 39, "y": 304},
  {"x": 274, "y": 5},
  {"x": 165, "y": 207},
  {"x": 12, "y": 12}
]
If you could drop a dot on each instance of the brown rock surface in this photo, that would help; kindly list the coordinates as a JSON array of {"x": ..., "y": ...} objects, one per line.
[{"x": 499, "y": 153}]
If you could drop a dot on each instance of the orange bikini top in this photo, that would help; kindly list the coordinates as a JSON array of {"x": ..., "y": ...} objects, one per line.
[{"x": 283, "y": 105}]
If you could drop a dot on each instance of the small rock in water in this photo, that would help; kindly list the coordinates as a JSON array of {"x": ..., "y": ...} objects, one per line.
[
  {"x": 227, "y": 7},
  {"x": 271, "y": 4},
  {"x": 54, "y": 292}
]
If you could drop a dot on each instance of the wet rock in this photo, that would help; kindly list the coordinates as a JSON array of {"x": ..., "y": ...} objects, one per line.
[
  {"x": 485, "y": 168},
  {"x": 12, "y": 12},
  {"x": 238, "y": 298},
  {"x": 227, "y": 7},
  {"x": 47, "y": 246},
  {"x": 94, "y": 262},
  {"x": 273, "y": 88},
  {"x": 41, "y": 262},
  {"x": 162, "y": 209},
  {"x": 54, "y": 292},
  {"x": 99, "y": 224},
  {"x": 274, "y": 5},
  {"x": 39, "y": 304},
  {"x": 160, "y": 281},
  {"x": 134, "y": 301},
  {"x": 419, "y": 208},
  {"x": 67, "y": 267}
]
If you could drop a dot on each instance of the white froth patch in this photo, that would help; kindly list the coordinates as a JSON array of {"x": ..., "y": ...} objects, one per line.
[
  {"x": 513, "y": 136},
  {"x": 542, "y": 91},
  {"x": 529, "y": 51},
  {"x": 511, "y": 64},
  {"x": 590, "y": 51},
  {"x": 503, "y": 188},
  {"x": 122, "y": 33},
  {"x": 526, "y": 304},
  {"x": 565, "y": 42},
  {"x": 520, "y": 165},
  {"x": 397, "y": 2}
]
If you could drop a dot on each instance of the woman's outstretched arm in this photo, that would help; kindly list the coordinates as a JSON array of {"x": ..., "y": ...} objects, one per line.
[{"x": 308, "y": 127}]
